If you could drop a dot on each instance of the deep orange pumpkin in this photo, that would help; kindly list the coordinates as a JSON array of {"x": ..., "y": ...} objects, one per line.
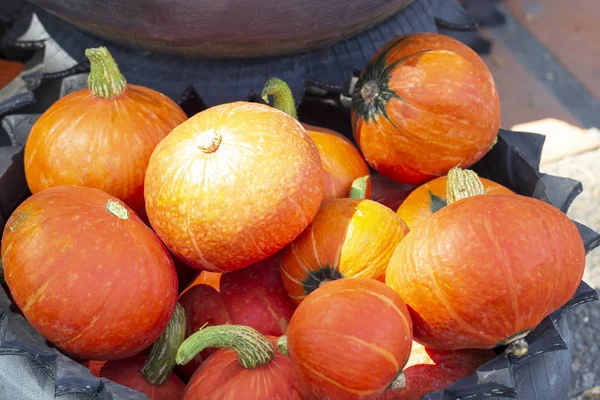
[
  {"x": 424, "y": 104},
  {"x": 233, "y": 185},
  {"x": 87, "y": 273},
  {"x": 247, "y": 366},
  {"x": 342, "y": 162},
  {"x": 388, "y": 192},
  {"x": 485, "y": 270},
  {"x": 349, "y": 237},
  {"x": 349, "y": 339},
  {"x": 101, "y": 137},
  {"x": 429, "y": 370},
  {"x": 431, "y": 197}
]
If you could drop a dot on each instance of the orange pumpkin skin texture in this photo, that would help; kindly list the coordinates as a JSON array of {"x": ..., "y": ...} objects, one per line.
[
  {"x": 424, "y": 104},
  {"x": 347, "y": 238},
  {"x": 233, "y": 185},
  {"x": 431, "y": 197},
  {"x": 429, "y": 370},
  {"x": 95, "y": 285},
  {"x": 485, "y": 269},
  {"x": 84, "y": 140},
  {"x": 349, "y": 339}
]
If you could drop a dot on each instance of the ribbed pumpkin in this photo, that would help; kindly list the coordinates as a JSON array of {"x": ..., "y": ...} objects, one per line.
[
  {"x": 425, "y": 103},
  {"x": 351, "y": 237},
  {"x": 247, "y": 366},
  {"x": 349, "y": 339},
  {"x": 429, "y": 370},
  {"x": 431, "y": 197},
  {"x": 486, "y": 269},
  {"x": 342, "y": 162},
  {"x": 87, "y": 273},
  {"x": 233, "y": 185},
  {"x": 102, "y": 136}
]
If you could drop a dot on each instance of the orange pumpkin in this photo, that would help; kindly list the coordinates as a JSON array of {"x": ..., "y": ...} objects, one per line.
[
  {"x": 9, "y": 70},
  {"x": 425, "y": 103},
  {"x": 349, "y": 237},
  {"x": 349, "y": 340},
  {"x": 102, "y": 136},
  {"x": 431, "y": 197},
  {"x": 486, "y": 269},
  {"x": 212, "y": 279},
  {"x": 342, "y": 162},
  {"x": 233, "y": 185}
]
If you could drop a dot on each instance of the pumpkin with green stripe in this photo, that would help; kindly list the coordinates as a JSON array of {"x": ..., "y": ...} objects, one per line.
[
  {"x": 425, "y": 103},
  {"x": 430, "y": 197}
]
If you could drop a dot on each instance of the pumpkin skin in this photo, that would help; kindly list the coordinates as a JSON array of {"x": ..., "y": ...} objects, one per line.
[
  {"x": 349, "y": 339},
  {"x": 247, "y": 180},
  {"x": 222, "y": 377},
  {"x": 127, "y": 372},
  {"x": 388, "y": 192},
  {"x": 431, "y": 197},
  {"x": 9, "y": 70},
  {"x": 65, "y": 258},
  {"x": 429, "y": 370},
  {"x": 84, "y": 140},
  {"x": 424, "y": 104},
  {"x": 341, "y": 242},
  {"x": 486, "y": 268}
]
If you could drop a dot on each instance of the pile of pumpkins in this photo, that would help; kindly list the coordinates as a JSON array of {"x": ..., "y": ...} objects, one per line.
[{"x": 306, "y": 285}]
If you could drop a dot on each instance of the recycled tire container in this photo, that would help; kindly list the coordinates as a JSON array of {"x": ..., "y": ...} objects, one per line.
[{"x": 55, "y": 66}]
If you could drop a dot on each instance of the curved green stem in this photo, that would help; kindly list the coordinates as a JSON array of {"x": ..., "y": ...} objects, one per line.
[
  {"x": 282, "y": 345},
  {"x": 462, "y": 183},
  {"x": 253, "y": 348},
  {"x": 283, "y": 99},
  {"x": 105, "y": 80},
  {"x": 360, "y": 187},
  {"x": 161, "y": 361}
]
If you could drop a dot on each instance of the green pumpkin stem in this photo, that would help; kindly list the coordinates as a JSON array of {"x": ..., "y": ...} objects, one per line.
[
  {"x": 161, "y": 361},
  {"x": 516, "y": 344},
  {"x": 360, "y": 187},
  {"x": 399, "y": 382},
  {"x": 105, "y": 80},
  {"x": 117, "y": 209},
  {"x": 462, "y": 183},
  {"x": 253, "y": 348},
  {"x": 283, "y": 99},
  {"x": 282, "y": 345}
]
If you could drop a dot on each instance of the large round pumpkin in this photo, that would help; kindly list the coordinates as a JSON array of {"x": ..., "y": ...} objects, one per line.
[
  {"x": 233, "y": 185},
  {"x": 342, "y": 162},
  {"x": 102, "y": 136},
  {"x": 348, "y": 238},
  {"x": 485, "y": 270},
  {"x": 425, "y": 103},
  {"x": 87, "y": 273},
  {"x": 431, "y": 197},
  {"x": 349, "y": 339}
]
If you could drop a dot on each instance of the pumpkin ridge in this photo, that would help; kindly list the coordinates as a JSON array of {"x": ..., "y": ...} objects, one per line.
[
  {"x": 336, "y": 383},
  {"x": 301, "y": 262}
]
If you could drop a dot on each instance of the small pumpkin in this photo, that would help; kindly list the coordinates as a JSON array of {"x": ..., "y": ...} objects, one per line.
[
  {"x": 87, "y": 273},
  {"x": 388, "y": 192},
  {"x": 429, "y": 370},
  {"x": 101, "y": 136},
  {"x": 349, "y": 340},
  {"x": 486, "y": 269},
  {"x": 431, "y": 197},
  {"x": 424, "y": 104},
  {"x": 349, "y": 237},
  {"x": 246, "y": 179},
  {"x": 247, "y": 366},
  {"x": 342, "y": 162}
]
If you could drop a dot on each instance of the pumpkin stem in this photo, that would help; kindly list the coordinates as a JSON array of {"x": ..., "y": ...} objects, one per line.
[
  {"x": 160, "y": 362},
  {"x": 105, "y": 80},
  {"x": 516, "y": 345},
  {"x": 208, "y": 141},
  {"x": 361, "y": 188},
  {"x": 462, "y": 183},
  {"x": 369, "y": 91},
  {"x": 282, "y": 345},
  {"x": 283, "y": 99},
  {"x": 399, "y": 382},
  {"x": 253, "y": 348},
  {"x": 117, "y": 209}
]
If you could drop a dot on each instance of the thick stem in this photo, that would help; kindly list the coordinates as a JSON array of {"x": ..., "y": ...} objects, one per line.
[
  {"x": 105, "y": 80},
  {"x": 283, "y": 98},
  {"x": 116, "y": 209},
  {"x": 161, "y": 361},
  {"x": 369, "y": 91},
  {"x": 399, "y": 382},
  {"x": 462, "y": 183},
  {"x": 209, "y": 140},
  {"x": 282, "y": 345},
  {"x": 253, "y": 348},
  {"x": 361, "y": 188},
  {"x": 516, "y": 345}
]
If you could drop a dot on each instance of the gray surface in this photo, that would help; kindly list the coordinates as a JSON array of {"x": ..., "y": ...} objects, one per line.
[{"x": 585, "y": 365}]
